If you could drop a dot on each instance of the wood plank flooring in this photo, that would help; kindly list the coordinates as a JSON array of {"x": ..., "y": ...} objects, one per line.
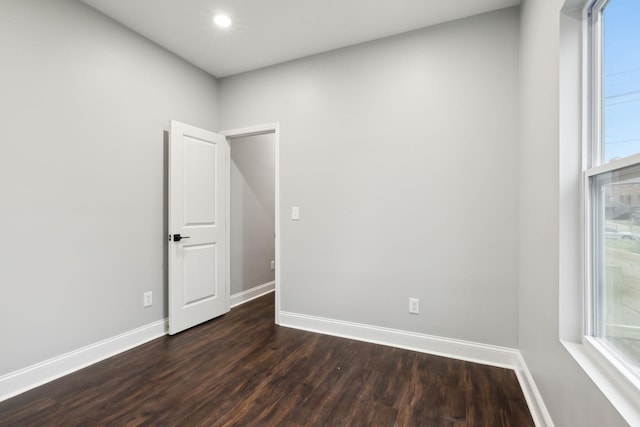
[{"x": 242, "y": 370}]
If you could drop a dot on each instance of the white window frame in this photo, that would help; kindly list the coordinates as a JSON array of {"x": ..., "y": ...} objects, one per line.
[{"x": 614, "y": 365}]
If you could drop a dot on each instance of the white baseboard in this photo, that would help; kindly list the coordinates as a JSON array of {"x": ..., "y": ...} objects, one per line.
[
  {"x": 503, "y": 357},
  {"x": 33, "y": 376},
  {"x": 36, "y": 375},
  {"x": 253, "y": 293},
  {"x": 458, "y": 349},
  {"x": 17, "y": 382},
  {"x": 538, "y": 409}
]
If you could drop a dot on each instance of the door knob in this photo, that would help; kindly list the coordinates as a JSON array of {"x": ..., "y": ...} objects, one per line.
[{"x": 178, "y": 237}]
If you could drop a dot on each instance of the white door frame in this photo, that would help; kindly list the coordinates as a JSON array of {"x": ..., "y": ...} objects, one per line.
[{"x": 271, "y": 128}]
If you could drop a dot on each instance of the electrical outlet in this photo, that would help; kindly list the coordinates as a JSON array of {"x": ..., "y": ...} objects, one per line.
[
  {"x": 148, "y": 299},
  {"x": 414, "y": 306},
  {"x": 273, "y": 265}
]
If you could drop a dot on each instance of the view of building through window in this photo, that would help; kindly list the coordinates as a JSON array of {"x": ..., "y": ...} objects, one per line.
[
  {"x": 619, "y": 229},
  {"x": 616, "y": 194}
]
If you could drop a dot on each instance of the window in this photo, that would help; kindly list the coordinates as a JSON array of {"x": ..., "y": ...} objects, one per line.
[{"x": 613, "y": 181}]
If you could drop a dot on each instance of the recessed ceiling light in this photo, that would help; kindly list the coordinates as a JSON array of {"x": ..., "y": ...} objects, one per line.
[{"x": 222, "y": 21}]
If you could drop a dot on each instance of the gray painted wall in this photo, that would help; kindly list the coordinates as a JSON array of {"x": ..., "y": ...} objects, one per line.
[
  {"x": 401, "y": 154},
  {"x": 252, "y": 211},
  {"x": 84, "y": 104},
  {"x": 571, "y": 397}
]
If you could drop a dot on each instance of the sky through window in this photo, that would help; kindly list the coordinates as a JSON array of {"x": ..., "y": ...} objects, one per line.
[{"x": 621, "y": 109}]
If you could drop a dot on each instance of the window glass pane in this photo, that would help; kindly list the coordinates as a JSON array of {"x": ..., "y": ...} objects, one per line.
[
  {"x": 621, "y": 82},
  {"x": 616, "y": 213}
]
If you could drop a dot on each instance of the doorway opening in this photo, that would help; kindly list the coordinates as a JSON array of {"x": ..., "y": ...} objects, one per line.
[{"x": 253, "y": 199}]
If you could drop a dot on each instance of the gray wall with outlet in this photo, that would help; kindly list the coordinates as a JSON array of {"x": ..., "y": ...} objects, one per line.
[
  {"x": 412, "y": 188},
  {"x": 84, "y": 105},
  {"x": 401, "y": 154}
]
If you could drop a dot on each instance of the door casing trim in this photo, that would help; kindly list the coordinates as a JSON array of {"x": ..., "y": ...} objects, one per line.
[{"x": 270, "y": 128}]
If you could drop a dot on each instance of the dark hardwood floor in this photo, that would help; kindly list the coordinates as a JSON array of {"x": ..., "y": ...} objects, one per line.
[{"x": 242, "y": 370}]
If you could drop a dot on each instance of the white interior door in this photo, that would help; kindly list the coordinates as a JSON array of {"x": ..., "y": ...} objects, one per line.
[{"x": 198, "y": 286}]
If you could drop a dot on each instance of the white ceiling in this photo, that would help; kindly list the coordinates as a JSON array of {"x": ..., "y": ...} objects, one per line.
[{"x": 267, "y": 32}]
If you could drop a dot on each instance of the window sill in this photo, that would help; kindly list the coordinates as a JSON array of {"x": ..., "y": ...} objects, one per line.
[{"x": 622, "y": 395}]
